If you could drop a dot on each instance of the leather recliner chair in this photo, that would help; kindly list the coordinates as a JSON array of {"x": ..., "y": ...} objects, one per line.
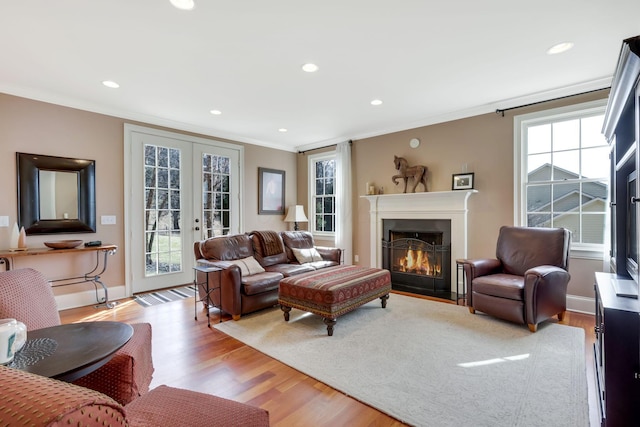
[{"x": 527, "y": 282}]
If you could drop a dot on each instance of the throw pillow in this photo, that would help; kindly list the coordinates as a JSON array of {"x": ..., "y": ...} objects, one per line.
[
  {"x": 306, "y": 255},
  {"x": 248, "y": 266}
]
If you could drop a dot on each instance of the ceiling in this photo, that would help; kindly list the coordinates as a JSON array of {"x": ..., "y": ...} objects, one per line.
[{"x": 428, "y": 61}]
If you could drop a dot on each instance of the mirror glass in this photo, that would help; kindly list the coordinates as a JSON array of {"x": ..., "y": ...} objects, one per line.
[{"x": 58, "y": 194}]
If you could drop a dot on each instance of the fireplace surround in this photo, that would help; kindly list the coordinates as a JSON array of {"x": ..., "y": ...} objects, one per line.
[{"x": 450, "y": 206}]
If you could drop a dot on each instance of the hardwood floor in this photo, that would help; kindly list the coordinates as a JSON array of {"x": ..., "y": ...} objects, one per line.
[{"x": 187, "y": 354}]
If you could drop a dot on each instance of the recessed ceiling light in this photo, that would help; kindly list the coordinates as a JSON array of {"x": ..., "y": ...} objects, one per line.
[
  {"x": 376, "y": 102},
  {"x": 183, "y": 4},
  {"x": 559, "y": 48},
  {"x": 310, "y": 68},
  {"x": 282, "y": 130},
  {"x": 111, "y": 84},
  {"x": 216, "y": 112}
]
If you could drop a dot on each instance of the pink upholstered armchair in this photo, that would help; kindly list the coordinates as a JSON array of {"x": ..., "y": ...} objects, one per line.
[
  {"x": 31, "y": 400},
  {"x": 527, "y": 281},
  {"x": 26, "y": 295}
]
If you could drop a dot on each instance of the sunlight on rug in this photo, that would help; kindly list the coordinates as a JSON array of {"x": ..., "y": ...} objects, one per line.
[
  {"x": 434, "y": 364},
  {"x": 161, "y": 297}
]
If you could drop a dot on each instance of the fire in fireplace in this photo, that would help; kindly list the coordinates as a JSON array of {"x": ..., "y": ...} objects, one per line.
[{"x": 418, "y": 259}]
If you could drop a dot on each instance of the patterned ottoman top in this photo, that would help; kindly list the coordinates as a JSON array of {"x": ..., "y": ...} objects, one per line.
[{"x": 332, "y": 292}]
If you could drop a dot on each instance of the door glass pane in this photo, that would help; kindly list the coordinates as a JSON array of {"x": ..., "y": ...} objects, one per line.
[
  {"x": 215, "y": 195},
  {"x": 162, "y": 218}
]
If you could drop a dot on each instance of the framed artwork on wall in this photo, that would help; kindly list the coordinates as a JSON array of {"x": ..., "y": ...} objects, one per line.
[
  {"x": 270, "y": 191},
  {"x": 462, "y": 181}
]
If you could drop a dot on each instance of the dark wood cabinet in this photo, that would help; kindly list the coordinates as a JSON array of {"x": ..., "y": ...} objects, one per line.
[
  {"x": 617, "y": 345},
  {"x": 617, "y": 354}
]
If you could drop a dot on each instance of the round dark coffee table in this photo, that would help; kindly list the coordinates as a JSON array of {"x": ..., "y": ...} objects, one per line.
[{"x": 68, "y": 352}]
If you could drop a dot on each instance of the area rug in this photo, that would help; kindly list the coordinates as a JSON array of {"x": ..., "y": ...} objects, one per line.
[
  {"x": 161, "y": 297},
  {"x": 434, "y": 364}
]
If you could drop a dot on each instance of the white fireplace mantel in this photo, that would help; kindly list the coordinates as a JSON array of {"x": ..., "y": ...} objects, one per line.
[{"x": 451, "y": 205}]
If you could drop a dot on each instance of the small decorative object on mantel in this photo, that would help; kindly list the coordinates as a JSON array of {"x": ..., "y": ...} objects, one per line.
[
  {"x": 418, "y": 173},
  {"x": 370, "y": 189},
  {"x": 462, "y": 181}
]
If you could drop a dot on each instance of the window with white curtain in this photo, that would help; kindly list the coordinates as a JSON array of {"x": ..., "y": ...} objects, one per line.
[
  {"x": 562, "y": 172},
  {"x": 322, "y": 192}
]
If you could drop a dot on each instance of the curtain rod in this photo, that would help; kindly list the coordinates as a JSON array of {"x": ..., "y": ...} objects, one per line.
[
  {"x": 502, "y": 110},
  {"x": 319, "y": 148}
]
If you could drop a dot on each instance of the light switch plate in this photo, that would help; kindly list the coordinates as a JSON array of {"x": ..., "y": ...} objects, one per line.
[
  {"x": 108, "y": 219},
  {"x": 4, "y": 221}
]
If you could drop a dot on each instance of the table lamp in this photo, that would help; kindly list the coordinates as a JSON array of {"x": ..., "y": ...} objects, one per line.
[{"x": 296, "y": 214}]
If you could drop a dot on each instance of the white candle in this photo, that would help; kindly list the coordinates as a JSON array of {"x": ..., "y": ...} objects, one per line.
[
  {"x": 366, "y": 189},
  {"x": 22, "y": 239},
  {"x": 15, "y": 235}
]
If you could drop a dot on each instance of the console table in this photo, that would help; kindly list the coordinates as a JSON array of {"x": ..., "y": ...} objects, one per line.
[{"x": 92, "y": 276}]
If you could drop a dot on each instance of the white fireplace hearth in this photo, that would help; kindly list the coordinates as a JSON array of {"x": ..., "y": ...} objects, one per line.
[{"x": 445, "y": 205}]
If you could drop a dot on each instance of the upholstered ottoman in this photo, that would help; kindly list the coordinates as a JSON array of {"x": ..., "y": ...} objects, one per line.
[{"x": 332, "y": 292}]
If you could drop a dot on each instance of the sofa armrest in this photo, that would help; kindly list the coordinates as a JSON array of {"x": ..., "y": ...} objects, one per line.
[
  {"x": 545, "y": 289},
  {"x": 480, "y": 267},
  {"x": 39, "y": 401},
  {"x": 330, "y": 254},
  {"x": 230, "y": 286}
]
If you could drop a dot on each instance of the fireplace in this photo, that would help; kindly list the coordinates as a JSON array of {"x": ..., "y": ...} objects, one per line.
[
  {"x": 435, "y": 205},
  {"x": 417, "y": 252}
]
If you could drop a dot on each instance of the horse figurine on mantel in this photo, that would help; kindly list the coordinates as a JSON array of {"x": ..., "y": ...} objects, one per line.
[{"x": 418, "y": 173}]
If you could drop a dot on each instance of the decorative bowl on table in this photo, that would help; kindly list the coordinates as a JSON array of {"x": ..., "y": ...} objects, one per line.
[{"x": 63, "y": 244}]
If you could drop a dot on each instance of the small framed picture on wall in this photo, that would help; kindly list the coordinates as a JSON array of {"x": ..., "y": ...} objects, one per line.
[
  {"x": 462, "y": 181},
  {"x": 270, "y": 191}
]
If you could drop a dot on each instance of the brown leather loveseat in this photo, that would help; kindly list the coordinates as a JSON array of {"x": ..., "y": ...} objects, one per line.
[{"x": 254, "y": 263}]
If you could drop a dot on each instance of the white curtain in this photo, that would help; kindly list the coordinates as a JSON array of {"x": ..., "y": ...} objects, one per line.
[{"x": 343, "y": 201}]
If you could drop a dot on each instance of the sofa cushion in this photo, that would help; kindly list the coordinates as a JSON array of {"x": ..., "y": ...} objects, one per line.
[
  {"x": 298, "y": 240},
  {"x": 291, "y": 269},
  {"x": 500, "y": 285},
  {"x": 306, "y": 255},
  {"x": 224, "y": 248},
  {"x": 261, "y": 282},
  {"x": 248, "y": 266},
  {"x": 168, "y": 406}
]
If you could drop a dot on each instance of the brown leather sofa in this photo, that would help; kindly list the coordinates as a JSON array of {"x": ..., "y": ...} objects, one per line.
[
  {"x": 31, "y": 400},
  {"x": 527, "y": 282},
  {"x": 254, "y": 263}
]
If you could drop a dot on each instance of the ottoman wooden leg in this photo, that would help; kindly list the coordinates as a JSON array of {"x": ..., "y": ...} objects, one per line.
[
  {"x": 329, "y": 323},
  {"x": 286, "y": 311},
  {"x": 383, "y": 300}
]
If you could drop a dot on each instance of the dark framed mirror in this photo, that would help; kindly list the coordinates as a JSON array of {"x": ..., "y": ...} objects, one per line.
[{"x": 56, "y": 194}]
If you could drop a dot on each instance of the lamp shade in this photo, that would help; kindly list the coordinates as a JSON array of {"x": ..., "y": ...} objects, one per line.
[{"x": 296, "y": 214}]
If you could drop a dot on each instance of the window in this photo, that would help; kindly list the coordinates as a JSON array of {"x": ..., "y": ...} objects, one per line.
[
  {"x": 322, "y": 180},
  {"x": 562, "y": 166}
]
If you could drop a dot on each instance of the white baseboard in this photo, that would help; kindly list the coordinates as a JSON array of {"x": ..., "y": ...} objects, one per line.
[
  {"x": 581, "y": 304},
  {"x": 88, "y": 297}
]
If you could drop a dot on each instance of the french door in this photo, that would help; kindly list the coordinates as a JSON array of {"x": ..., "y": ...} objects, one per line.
[{"x": 180, "y": 190}]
